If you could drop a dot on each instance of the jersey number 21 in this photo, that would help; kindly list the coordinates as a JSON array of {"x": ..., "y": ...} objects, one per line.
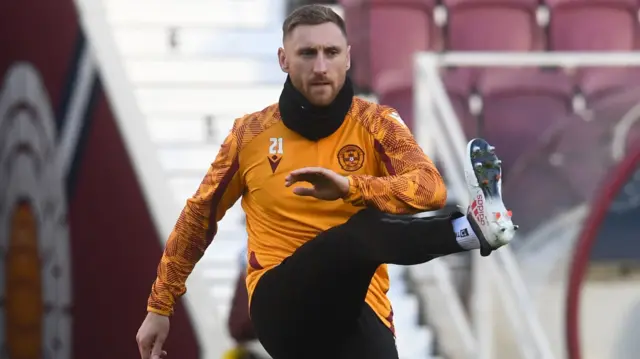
[{"x": 276, "y": 146}]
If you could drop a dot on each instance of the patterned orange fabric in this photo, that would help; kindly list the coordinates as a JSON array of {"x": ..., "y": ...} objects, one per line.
[
  {"x": 385, "y": 166},
  {"x": 196, "y": 226},
  {"x": 410, "y": 183}
]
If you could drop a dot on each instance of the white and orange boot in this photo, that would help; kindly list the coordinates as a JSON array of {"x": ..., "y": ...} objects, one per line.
[{"x": 487, "y": 215}]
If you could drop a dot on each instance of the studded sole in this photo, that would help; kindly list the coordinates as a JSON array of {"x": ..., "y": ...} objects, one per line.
[{"x": 487, "y": 167}]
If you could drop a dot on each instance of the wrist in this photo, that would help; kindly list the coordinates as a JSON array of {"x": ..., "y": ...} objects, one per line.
[
  {"x": 354, "y": 195},
  {"x": 345, "y": 186},
  {"x": 157, "y": 311}
]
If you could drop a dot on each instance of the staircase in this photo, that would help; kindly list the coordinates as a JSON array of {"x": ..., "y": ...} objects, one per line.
[{"x": 195, "y": 66}]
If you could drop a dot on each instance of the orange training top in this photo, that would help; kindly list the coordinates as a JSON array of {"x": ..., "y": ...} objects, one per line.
[{"x": 385, "y": 166}]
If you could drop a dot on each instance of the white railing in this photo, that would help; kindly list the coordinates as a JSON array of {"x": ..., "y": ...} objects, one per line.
[
  {"x": 439, "y": 132},
  {"x": 621, "y": 131},
  {"x": 210, "y": 330}
]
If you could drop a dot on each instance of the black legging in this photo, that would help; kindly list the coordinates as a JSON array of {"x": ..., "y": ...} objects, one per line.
[{"x": 312, "y": 305}]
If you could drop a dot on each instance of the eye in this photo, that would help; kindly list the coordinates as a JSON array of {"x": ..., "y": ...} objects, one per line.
[{"x": 333, "y": 52}]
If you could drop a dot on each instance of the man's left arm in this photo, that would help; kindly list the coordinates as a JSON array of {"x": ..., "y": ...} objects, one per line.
[{"x": 411, "y": 182}]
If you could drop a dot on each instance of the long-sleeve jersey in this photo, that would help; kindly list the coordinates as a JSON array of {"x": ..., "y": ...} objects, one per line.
[{"x": 385, "y": 166}]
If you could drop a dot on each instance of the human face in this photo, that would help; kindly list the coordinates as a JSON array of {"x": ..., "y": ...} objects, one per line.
[{"x": 316, "y": 57}]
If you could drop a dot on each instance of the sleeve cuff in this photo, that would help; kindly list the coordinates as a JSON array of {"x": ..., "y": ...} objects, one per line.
[
  {"x": 159, "y": 311},
  {"x": 354, "y": 196}
]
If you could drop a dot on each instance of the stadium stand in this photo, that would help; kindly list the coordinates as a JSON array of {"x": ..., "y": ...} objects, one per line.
[
  {"x": 505, "y": 25},
  {"x": 519, "y": 105},
  {"x": 593, "y": 25}
]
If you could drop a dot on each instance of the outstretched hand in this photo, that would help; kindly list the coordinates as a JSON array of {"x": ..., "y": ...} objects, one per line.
[
  {"x": 327, "y": 185},
  {"x": 151, "y": 336}
]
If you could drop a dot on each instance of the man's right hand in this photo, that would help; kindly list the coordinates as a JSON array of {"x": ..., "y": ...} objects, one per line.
[{"x": 151, "y": 336}]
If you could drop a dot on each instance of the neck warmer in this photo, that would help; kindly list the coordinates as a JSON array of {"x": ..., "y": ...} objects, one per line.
[{"x": 314, "y": 122}]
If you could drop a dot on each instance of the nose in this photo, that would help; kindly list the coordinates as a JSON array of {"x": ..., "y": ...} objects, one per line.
[{"x": 320, "y": 64}]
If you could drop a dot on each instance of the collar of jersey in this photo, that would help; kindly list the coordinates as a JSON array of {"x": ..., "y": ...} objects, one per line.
[{"x": 314, "y": 122}]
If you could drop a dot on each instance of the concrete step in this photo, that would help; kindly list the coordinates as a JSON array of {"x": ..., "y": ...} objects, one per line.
[
  {"x": 227, "y": 71},
  {"x": 182, "y": 191},
  {"x": 414, "y": 342},
  {"x": 204, "y": 42},
  {"x": 220, "y": 274},
  {"x": 223, "y": 292},
  {"x": 224, "y": 309},
  {"x": 219, "y": 13},
  {"x": 184, "y": 183},
  {"x": 405, "y": 308},
  {"x": 192, "y": 158},
  {"x": 228, "y": 245},
  {"x": 209, "y": 99},
  {"x": 395, "y": 271},
  {"x": 194, "y": 130}
]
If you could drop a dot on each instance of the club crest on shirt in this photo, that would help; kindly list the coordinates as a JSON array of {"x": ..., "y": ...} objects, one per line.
[{"x": 351, "y": 158}]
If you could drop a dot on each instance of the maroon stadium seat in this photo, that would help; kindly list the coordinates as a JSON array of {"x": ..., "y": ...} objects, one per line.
[
  {"x": 583, "y": 151},
  {"x": 597, "y": 25},
  {"x": 385, "y": 34},
  {"x": 395, "y": 89},
  {"x": 536, "y": 189},
  {"x": 609, "y": 85},
  {"x": 459, "y": 83},
  {"x": 493, "y": 25},
  {"x": 355, "y": 19},
  {"x": 612, "y": 94},
  {"x": 539, "y": 194},
  {"x": 398, "y": 29},
  {"x": 519, "y": 105}
]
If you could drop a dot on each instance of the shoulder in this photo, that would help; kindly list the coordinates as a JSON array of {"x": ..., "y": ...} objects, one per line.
[
  {"x": 248, "y": 127},
  {"x": 376, "y": 118}
]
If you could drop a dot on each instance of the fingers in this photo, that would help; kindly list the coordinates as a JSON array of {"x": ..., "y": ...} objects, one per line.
[
  {"x": 302, "y": 191},
  {"x": 309, "y": 170},
  {"x": 144, "y": 345},
  {"x": 308, "y": 174},
  {"x": 157, "y": 352},
  {"x": 311, "y": 178},
  {"x": 145, "y": 350}
]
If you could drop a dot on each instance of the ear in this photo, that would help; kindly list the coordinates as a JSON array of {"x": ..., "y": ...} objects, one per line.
[
  {"x": 348, "y": 57},
  {"x": 282, "y": 59}
]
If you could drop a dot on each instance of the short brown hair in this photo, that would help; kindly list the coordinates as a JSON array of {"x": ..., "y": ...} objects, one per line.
[{"x": 312, "y": 15}]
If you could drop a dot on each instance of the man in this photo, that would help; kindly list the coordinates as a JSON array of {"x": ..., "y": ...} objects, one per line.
[{"x": 315, "y": 172}]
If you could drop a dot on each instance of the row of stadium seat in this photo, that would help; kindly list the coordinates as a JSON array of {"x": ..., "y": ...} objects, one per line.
[
  {"x": 566, "y": 166},
  {"x": 554, "y": 157},
  {"x": 554, "y": 126},
  {"x": 375, "y": 28},
  {"x": 518, "y": 105}
]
